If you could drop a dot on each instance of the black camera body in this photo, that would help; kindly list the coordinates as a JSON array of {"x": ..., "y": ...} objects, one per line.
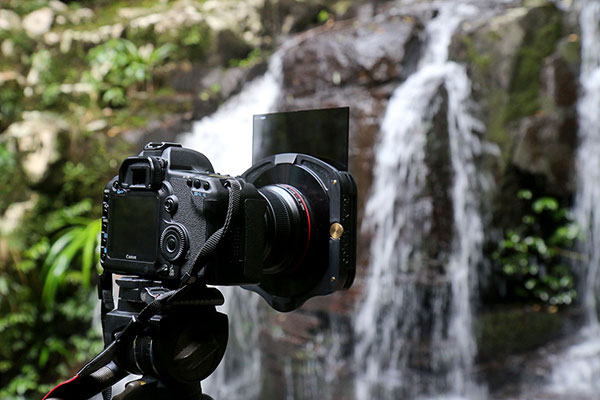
[
  {"x": 292, "y": 238},
  {"x": 161, "y": 208}
]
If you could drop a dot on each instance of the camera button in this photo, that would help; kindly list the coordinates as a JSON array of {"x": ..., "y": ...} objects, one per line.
[{"x": 171, "y": 204}]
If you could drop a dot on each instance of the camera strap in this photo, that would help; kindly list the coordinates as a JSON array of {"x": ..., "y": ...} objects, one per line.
[
  {"x": 101, "y": 372},
  {"x": 210, "y": 246}
]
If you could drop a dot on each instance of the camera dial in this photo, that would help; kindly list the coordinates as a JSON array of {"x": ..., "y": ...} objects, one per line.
[{"x": 174, "y": 242}]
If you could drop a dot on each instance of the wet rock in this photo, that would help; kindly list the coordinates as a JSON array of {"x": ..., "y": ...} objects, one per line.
[
  {"x": 38, "y": 22},
  {"x": 440, "y": 227},
  {"x": 9, "y": 20},
  {"x": 38, "y": 141},
  {"x": 367, "y": 54},
  {"x": 547, "y": 147},
  {"x": 211, "y": 86},
  {"x": 523, "y": 63},
  {"x": 231, "y": 46}
]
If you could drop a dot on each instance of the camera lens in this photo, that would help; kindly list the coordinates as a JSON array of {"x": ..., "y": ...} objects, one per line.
[{"x": 288, "y": 228}]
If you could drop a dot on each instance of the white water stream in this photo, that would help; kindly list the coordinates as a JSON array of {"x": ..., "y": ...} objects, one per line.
[
  {"x": 387, "y": 325},
  {"x": 578, "y": 368}
]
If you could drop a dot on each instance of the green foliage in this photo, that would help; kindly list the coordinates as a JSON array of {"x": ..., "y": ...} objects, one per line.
[
  {"x": 254, "y": 57},
  {"x": 190, "y": 42},
  {"x": 79, "y": 240},
  {"x": 25, "y": 7},
  {"x": 533, "y": 257},
  {"x": 323, "y": 16},
  {"x": 11, "y": 103},
  {"x": 119, "y": 65},
  {"x": 46, "y": 304},
  {"x": 10, "y": 174}
]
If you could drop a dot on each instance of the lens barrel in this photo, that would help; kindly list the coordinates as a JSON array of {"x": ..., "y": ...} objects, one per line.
[{"x": 288, "y": 228}]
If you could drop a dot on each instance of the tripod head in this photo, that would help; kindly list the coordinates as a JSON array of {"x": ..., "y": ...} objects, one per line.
[
  {"x": 174, "y": 338},
  {"x": 183, "y": 343}
]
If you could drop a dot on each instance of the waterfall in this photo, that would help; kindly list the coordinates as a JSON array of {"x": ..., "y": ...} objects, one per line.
[
  {"x": 578, "y": 368},
  {"x": 588, "y": 156},
  {"x": 394, "y": 335},
  {"x": 226, "y": 139}
]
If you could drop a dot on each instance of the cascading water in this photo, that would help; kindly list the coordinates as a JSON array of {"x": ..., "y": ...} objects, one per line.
[
  {"x": 226, "y": 139},
  {"x": 578, "y": 368},
  {"x": 588, "y": 157},
  {"x": 401, "y": 353}
]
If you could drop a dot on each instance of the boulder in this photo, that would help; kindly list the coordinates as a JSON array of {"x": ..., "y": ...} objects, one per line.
[
  {"x": 9, "y": 20},
  {"x": 352, "y": 53},
  {"x": 38, "y": 22},
  {"x": 38, "y": 141}
]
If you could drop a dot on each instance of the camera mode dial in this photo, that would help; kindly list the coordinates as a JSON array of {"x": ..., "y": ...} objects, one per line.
[{"x": 174, "y": 242}]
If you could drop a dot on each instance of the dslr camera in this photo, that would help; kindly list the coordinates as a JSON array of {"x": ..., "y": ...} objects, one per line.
[{"x": 285, "y": 229}]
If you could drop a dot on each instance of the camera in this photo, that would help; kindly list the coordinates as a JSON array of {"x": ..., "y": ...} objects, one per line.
[
  {"x": 292, "y": 238},
  {"x": 285, "y": 229}
]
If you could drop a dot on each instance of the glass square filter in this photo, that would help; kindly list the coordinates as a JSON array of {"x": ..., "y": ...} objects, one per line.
[{"x": 321, "y": 133}]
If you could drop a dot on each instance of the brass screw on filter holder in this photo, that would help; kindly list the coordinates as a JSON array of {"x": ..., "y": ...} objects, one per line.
[{"x": 336, "y": 230}]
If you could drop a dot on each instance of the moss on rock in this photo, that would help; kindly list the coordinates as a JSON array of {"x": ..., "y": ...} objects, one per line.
[{"x": 543, "y": 29}]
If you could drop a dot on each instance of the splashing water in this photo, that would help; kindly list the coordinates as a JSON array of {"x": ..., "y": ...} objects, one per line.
[
  {"x": 578, "y": 368},
  {"x": 397, "y": 354}
]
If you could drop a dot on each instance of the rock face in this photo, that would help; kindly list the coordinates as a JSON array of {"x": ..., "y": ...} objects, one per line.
[
  {"x": 524, "y": 67},
  {"x": 38, "y": 141}
]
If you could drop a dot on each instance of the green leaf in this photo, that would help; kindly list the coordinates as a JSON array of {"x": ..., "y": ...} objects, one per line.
[
  {"x": 59, "y": 266},
  {"x": 88, "y": 254},
  {"x": 545, "y": 203},
  {"x": 56, "y": 249},
  {"x": 524, "y": 194},
  {"x": 323, "y": 16}
]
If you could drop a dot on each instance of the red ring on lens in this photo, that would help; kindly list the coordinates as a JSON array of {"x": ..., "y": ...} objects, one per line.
[{"x": 299, "y": 196}]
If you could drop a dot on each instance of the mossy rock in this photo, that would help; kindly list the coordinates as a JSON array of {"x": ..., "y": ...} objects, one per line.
[
  {"x": 505, "y": 56},
  {"x": 507, "y": 332}
]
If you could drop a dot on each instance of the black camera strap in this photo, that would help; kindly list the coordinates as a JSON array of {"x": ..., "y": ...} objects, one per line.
[{"x": 210, "y": 246}]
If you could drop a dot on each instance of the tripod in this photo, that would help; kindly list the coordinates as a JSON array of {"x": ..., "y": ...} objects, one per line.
[{"x": 173, "y": 338}]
